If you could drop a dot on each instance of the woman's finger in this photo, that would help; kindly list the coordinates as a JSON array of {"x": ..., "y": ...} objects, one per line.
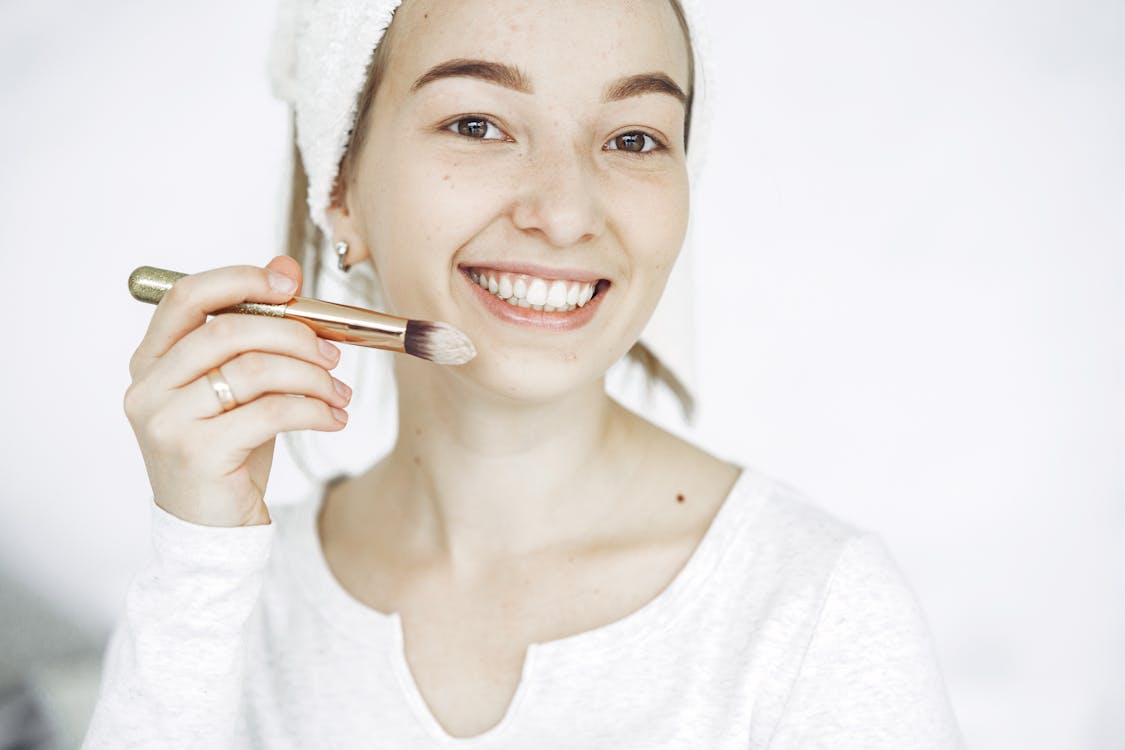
[
  {"x": 230, "y": 334},
  {"x": 186, "y": 305},
  {"x": 252, "y": 375},
  {"x": 287, "y": 265},
  {"x": 252, "y": 424}
]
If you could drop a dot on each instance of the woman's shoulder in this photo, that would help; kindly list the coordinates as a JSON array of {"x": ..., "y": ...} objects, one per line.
[
  {"x": 762, "y": 516},
  {"x": 790, "y": 547},
  {"x": 867, "y": 673},
  {"x": 789, "y": 518}
]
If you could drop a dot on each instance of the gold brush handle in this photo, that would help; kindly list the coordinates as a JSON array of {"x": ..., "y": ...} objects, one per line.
[
  {"x": 435, "y": 342},
  {"x": 330, "y": 320},
  {"x": 149, "y": 284}
]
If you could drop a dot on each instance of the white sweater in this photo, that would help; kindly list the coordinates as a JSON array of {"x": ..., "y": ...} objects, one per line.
[{"x": 787, "y": 628}]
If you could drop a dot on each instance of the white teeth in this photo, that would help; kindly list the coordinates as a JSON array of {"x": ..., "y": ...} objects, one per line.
[
  {"x": 556, "y": 295},
  {"x": 572, "y": 293},
  {"x": 535, "y": 293}
]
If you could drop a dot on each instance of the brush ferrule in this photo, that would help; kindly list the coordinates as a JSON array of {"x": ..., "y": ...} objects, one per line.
[{"x": 348, "y": 324}]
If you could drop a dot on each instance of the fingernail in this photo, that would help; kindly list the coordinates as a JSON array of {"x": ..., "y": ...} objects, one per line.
[
  {"x": 279, "y": 282},
  {"x": 340, "y": 414},
  {"x": 342, "y": 389},
  {"x": 329, "y": 351}
]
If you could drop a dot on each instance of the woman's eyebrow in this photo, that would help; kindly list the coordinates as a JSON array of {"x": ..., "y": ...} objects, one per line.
[
  {"x": 644, "y": 83},
  {"x": 511, "y": 77},
  {"x": 507, "y": 76}
]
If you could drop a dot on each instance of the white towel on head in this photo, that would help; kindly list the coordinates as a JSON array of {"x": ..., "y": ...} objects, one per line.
[{"x": 318, "y": 64}]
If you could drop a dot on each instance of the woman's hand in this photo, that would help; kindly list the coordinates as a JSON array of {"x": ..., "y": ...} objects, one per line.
[{"x": 205, "y": 465}]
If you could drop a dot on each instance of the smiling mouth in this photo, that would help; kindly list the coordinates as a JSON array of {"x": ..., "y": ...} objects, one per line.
[{"x": 536, "y": 293}]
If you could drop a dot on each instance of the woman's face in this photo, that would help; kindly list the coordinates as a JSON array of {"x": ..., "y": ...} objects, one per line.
[{"x": 541, "y": 145}]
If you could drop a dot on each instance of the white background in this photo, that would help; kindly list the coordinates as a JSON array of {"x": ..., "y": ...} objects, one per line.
[{"x": 911, "y": 263}]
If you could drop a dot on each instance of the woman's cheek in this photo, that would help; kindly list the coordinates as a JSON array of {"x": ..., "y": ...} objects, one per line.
[
  {"x": 466, "y": 190},
  {"x": 656, "y": 217},
  {"x": 436, "y": 209},
  {"x": 658, "y": 225}
]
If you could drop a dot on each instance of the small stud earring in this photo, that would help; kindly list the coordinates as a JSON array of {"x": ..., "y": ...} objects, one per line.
[{"x": 341, "y": 253}]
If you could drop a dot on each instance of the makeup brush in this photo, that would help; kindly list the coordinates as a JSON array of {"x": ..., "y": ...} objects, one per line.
[{"x": 436, "y": 342}]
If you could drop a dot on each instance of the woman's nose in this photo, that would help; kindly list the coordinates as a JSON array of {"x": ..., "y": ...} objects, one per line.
[{"x": 560, "y": 198}]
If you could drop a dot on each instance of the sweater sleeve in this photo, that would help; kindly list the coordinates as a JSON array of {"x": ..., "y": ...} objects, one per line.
[
  {"x": 173, "y": 670},
  {"x": 870, "y": 677}
]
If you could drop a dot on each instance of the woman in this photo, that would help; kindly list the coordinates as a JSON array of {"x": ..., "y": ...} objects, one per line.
[{"x": 532, "y": 565}]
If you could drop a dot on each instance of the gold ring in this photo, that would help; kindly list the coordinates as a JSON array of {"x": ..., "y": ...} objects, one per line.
[{"x": 222, "y": 389}]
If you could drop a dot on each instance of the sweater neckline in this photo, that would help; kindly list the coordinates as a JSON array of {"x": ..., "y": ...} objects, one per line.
[
  {"x": 354, "y": 617},
  {"x": 356, "y": 621}
]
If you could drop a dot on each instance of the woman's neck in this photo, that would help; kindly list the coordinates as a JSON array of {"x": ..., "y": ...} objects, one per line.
[{"x": 477, "y": 480}]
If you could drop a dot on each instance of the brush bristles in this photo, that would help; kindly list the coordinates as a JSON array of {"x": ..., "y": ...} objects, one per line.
[{"x": 438, "y": 342}]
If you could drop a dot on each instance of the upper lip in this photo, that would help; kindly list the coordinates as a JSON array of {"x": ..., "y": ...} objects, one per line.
[{"x": 531, "y": 269}]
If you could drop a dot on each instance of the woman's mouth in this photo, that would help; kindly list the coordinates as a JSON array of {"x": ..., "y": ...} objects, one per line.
[
  {"x": 558, "y": 303},
  {"x": 533, "y": 292}
]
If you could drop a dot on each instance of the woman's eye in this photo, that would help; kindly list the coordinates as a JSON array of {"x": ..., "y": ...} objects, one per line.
[
  {"x": 476, "y": 127},
  {"x": 635, "y": 142}
]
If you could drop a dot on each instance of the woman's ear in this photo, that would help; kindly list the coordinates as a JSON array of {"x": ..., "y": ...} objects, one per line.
[{"x": 345, "y": 228}]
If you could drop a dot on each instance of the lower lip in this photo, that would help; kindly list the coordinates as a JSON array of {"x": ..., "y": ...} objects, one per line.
[{"x": 555, "y": 321}]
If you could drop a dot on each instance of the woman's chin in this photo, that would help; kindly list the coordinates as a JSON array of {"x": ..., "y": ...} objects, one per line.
[{"x": 532, "y": 379}]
